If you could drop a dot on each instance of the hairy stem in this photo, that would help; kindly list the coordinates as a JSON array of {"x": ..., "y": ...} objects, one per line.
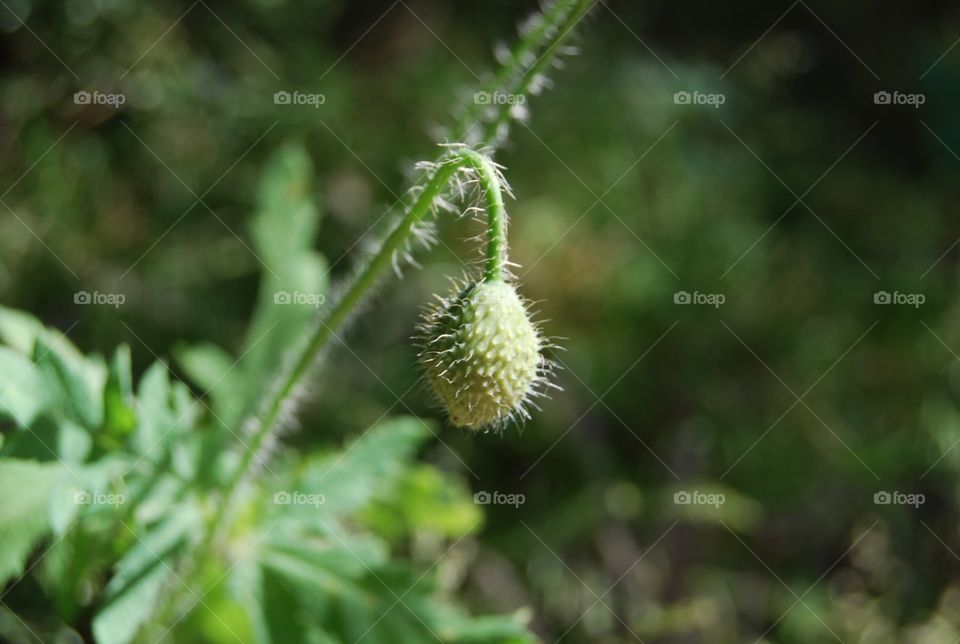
[
  {"x": 527, "y": 62},
  {"x": 547, "y": 35},
  {"x": 533, "y": 54},
  {"x": 329, "y": 322},
  {"x": 496, "y": 214},
  {"x": 271, "y": 416}
]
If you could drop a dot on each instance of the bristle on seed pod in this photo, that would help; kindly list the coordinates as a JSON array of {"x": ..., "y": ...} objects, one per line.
[{"x": 481, "y": 354}]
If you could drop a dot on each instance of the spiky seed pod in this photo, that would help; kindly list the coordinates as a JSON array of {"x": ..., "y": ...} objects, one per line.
[{"x": 481, "y": 354}]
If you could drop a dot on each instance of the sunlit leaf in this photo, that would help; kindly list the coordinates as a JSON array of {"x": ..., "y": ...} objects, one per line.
[{"x": 24, "y": 487}]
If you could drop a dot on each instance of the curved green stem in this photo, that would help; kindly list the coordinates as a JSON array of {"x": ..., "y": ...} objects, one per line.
[
  {"x": 548, "y": 35},
  {"x": 490, "y": 183},
  {"x": 328, "y": 324},
  {"x": 515, "y": 77},
  {"x": 271, "y": 416}
]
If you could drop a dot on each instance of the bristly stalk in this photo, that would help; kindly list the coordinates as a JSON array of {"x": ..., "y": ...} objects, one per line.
[
  {"x": 521, "y": 74},
  {"x": 459, "y": 159},
  {"x": 444, "y": 171},
  {"x": 491, "y": 184},
  {"x": 549, "y": 32},
  {"x": 491, "y": 187}
]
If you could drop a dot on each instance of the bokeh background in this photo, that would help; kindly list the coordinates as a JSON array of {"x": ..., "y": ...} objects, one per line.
[{"x": 780, "y": 413}]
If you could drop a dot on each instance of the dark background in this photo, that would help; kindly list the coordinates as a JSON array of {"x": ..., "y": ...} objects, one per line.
[{"x": 623, "y": 198}]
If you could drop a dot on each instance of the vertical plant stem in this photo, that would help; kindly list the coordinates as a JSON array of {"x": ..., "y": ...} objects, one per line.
[
  {"x": 329, "y": 323},
  {"x": 333, "y": 319},
  {"x": 515, "y": 77},
  {"x": 525, "y": 79},
  {"x": 271, "y": 417},
  {"x": 531, "y": 56}
]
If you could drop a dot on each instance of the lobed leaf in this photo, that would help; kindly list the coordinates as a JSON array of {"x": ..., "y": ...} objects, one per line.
[{"x": 24, "y": 490}]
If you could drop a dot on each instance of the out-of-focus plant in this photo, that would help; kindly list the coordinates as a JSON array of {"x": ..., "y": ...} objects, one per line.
[{"x": 130, "y": 507}]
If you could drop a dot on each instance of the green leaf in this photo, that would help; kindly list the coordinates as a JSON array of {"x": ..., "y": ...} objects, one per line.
[
  {"x": 132, "y": 592},
  {"x": 19, "y": 330},
  {"x": 274, "y": 603},
  {"x": 349, "y": 480},
  {"x": 294, "y": 281},
  {"x": 501, "y": 629},
  {"x": 292, "y": 288},
  {"x": 76, "y": 383},
  {"x": 362, "y": 605},
  {"x": 286, "y": 220},
  {"x": 43, "y": 371},
  {"x": 86, "y": 481},
  {"x": 424, "y": 499},
  {"x": 24, "y": 490},
  {"x": 211, "y": 369},
  {"x": 120, "y": 417},
  {"x": 324, "y": 564},
  {"x": 23, "y": 393},
  {"x": 153, "y": 408},
  {"x": 316, "y": 579}
]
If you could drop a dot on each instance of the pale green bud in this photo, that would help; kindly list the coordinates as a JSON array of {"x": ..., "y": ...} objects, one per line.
[{"x": 482, "y": 355}]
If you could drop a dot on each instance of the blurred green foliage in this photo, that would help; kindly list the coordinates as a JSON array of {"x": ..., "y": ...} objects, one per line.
[{"x": 798, "y": 399}]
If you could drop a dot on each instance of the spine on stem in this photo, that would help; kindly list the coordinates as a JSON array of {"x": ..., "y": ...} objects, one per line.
[{"x": 488, "y": 395}]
